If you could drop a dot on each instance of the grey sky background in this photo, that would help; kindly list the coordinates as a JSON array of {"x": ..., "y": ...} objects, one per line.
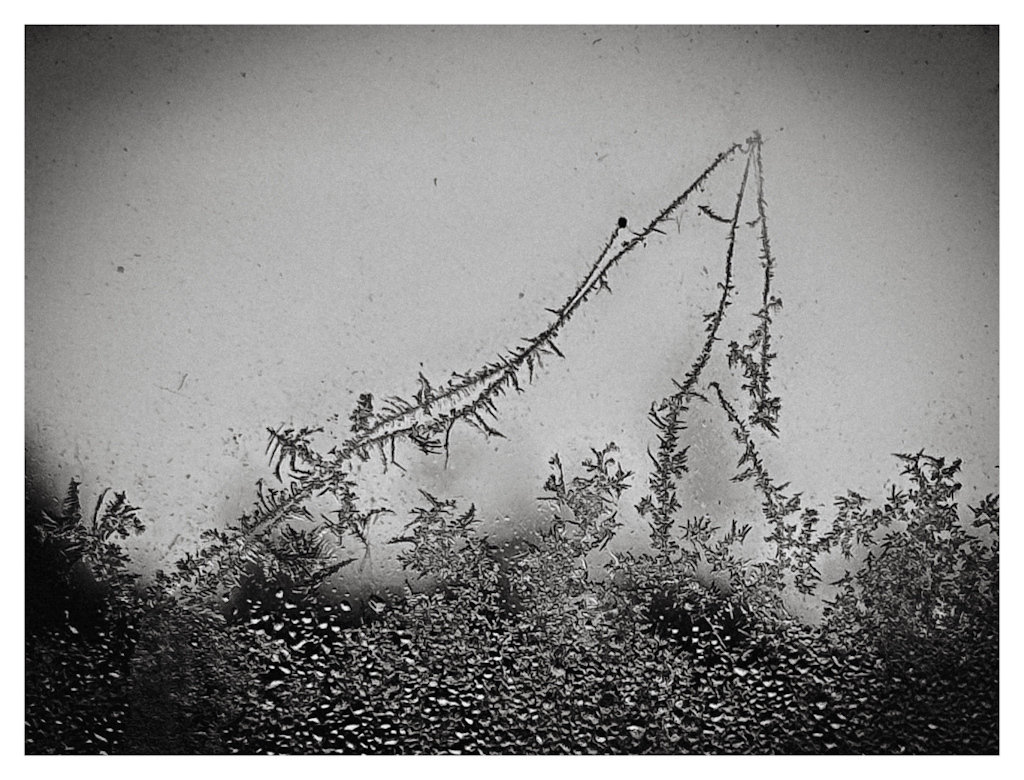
[{"x": 234, "y": 228}]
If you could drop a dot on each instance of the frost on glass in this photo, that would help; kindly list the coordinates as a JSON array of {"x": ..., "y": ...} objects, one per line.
[{"x": 559, "y": 638}]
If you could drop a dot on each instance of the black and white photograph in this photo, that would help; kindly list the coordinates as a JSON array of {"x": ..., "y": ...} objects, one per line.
[{"x": 512, "y": 390}]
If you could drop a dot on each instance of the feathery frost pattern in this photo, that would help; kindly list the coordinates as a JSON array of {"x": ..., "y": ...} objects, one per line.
[{"x": 427, "y": 419}]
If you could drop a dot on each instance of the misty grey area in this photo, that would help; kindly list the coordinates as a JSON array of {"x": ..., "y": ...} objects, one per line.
[{"x": 236, "y": 229}]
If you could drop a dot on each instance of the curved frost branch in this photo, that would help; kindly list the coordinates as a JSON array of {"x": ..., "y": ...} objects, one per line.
[{"x": 469, "y": 394}]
